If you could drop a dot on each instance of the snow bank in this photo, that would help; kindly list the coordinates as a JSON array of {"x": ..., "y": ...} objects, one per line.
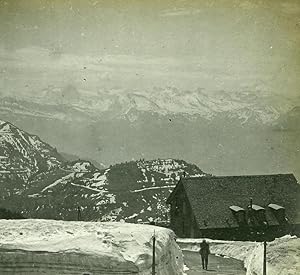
[
  {"x": 59, "y": 247},
  {"x": 283, "y": 254}
]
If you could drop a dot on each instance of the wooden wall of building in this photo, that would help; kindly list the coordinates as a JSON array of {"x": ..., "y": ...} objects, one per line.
[{"x": 183, "y": 221}]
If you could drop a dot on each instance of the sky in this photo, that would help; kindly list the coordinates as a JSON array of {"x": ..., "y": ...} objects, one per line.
[
  {"x": 216, "y": 45},
  {"x": 250, "y": 49}
]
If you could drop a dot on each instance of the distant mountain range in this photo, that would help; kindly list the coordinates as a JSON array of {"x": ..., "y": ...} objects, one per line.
[
  {"x": 51, "y": 187},
  {"x": 69, "y": 104},
  {"x": 224, "y": 133}
]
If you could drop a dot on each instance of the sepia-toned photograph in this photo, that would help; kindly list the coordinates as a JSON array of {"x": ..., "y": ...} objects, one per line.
[{"x": 149, "y": 137}]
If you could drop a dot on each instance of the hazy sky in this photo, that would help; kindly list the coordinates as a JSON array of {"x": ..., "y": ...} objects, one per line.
[{"x": 222, "y": 44}]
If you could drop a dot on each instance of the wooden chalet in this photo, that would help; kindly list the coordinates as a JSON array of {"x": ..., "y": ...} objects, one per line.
[{"x": 236, "y": 207}]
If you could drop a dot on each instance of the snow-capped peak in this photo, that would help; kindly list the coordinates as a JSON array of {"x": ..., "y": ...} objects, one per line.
[
  {"x": 84, "y": 105},
  {"x": 24, "y": 154}
]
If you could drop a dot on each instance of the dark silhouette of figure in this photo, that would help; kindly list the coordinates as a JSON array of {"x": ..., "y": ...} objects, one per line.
[{"x": 204, "y": 252}]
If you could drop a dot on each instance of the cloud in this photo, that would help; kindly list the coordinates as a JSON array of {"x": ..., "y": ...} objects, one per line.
[
  {"x": 36, "y": 67},
  {"x": 248, "y": 5},
  {"x": 180, "y": 12},
  {"x": 105, "y": 76},
  {"x": 95, "y": 3},
  {"x": 291, "y": 8},
  {"x": 26, "y": 28}
]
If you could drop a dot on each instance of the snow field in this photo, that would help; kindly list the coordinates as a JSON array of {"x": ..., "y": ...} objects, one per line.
[{"x": 59, "y": 247}]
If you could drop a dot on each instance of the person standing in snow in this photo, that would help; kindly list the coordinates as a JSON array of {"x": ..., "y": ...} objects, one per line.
[{"x": 204, "y": 252}]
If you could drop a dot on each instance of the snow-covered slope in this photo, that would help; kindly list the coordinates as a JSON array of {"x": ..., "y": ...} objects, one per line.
[
  {"x": 57, "y": 247},
  {"x": 135, "y": 191},
  {"x": 22, "y": 154},
  {"x": 43, "y": 186}
]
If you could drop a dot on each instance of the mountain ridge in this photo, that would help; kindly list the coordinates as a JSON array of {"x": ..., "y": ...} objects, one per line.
[
  {"x": 223, "y": 144},
  {"x": 134, "y": 191},
  {"x": 69, "y": 103},
  {"x": 24, "y": 154}
]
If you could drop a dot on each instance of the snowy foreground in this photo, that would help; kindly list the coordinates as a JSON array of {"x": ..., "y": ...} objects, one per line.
[
  {"x": 283, "y": 254},
  {"x": 58, "y": 247}
]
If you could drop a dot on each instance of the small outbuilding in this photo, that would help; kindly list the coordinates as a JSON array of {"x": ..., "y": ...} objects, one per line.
[{"x": 255, "y": 207}]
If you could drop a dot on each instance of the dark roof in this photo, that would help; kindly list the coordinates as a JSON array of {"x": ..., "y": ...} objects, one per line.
[{"x": 211, "y": 197}]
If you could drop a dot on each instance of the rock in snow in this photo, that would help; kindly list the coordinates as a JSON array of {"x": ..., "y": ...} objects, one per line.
[{"x": 59, "y": 247}]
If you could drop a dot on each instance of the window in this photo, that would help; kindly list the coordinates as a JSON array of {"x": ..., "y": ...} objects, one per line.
[
  {"x": 239, "y": 214},
  {"x": 279, "y": 212},
  {"x": 259, "y": 214}
]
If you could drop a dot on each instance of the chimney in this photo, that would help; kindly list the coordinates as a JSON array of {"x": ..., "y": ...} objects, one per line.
[{"x": 251, "y": 203}]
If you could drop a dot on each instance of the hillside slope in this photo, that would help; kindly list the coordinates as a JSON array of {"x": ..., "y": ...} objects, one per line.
[
  {"x": 24, "y": 154},
  {"x": 38, "y": 183},
  {"x": 135, "y": 191}
]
